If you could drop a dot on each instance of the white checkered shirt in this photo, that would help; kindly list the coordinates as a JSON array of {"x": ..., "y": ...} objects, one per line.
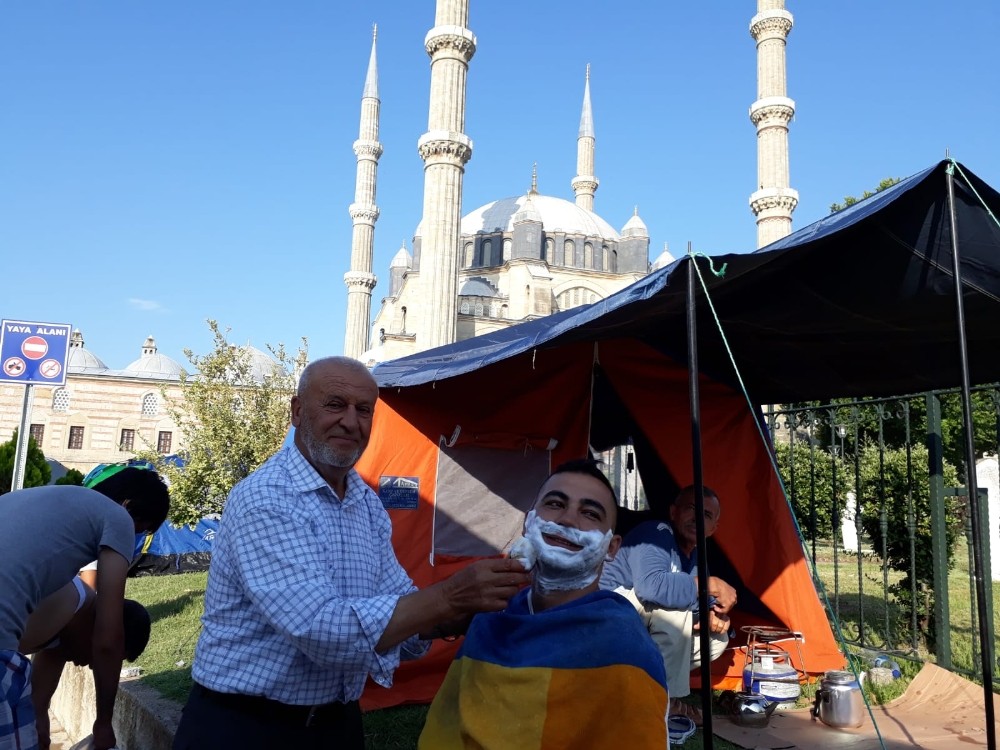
[{"x": 300, "y": 589}]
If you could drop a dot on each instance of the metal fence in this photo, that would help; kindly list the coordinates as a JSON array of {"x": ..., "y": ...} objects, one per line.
[{"x": 877, "y": 487}]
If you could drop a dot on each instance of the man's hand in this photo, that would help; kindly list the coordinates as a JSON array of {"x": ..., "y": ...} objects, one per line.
[
  {"x": 485, "y": 585},
  {"x": 725, "y": 595},
  {"x": 716, "y": 623},
  {"x": 104, "y": 736}
]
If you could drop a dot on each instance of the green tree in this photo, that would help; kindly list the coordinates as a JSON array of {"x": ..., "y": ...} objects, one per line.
[
  {"x": 808, "y": 475},
  {"x": 37, "y": 471},
  {"x": 231, "y": 421},
  {"x": 850, "y": 200},
  {"x": 71, "y": 477}
]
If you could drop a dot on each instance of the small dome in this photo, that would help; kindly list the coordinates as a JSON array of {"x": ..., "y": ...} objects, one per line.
[
  {"x": 419, "y": 231},
  {"x": 402, "y": 259},
  {"x": 635, "y": 227},
  {"x": 374, "y": 356},
  {"x": 262, "y": 365},
  {"x": 663, "y": 260},
  {"x": 153, "y": 365},
  {"x": 478, "y": 287},
  {"x": 80, "y": 361},
  {"x": 557, "y": 215}
]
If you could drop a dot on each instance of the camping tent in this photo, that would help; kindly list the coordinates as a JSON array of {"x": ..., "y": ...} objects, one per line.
[{"x": 860, "y": 303}]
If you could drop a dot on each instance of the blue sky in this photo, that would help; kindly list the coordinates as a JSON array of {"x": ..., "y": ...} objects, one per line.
[{"x": 166, "y": 162}]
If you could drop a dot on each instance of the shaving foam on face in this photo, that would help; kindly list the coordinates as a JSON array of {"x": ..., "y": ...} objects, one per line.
[{"x": 559, "y": 568}]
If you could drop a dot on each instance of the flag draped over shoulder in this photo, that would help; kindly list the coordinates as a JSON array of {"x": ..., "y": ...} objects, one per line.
[{"x": 584, "y": 674}]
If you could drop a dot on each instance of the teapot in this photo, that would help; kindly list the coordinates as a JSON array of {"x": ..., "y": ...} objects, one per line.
[{"x": 747, "y": 709}]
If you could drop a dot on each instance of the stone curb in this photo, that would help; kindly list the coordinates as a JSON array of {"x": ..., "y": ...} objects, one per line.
[{"x": 143, "y": 719}]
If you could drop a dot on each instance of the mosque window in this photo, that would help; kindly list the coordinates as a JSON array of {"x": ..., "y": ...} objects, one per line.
[
  {"x": 614, "y": 261},
  {"x": 163, "y": 441},
  {"x": 588, "y": 256},
  {"x": 37, "y": 432},
  {"x": 465, "y": 307},
  {"x": 605, "y": 259},
  {"x": 507, "y": 247},
  {"x": 150, "y": 405},
  {"x": 479, "y": 308},
  {"x": 568, "y": 253},
  {"x": 75, "y": 438},
  {"x": 60, "y": 400},
  {"x": 487, "y": 253},
  {"x": 503, "y": 311},
  {"x": 470, "y": 254},
  {"x": 549, "y": 251},
  {"x": 127, "y": 442}
]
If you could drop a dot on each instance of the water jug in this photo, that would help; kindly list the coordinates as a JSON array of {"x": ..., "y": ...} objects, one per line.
[{"x": 839, "y": 702}]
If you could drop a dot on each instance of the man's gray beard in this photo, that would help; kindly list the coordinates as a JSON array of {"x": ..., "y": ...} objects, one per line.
[{"x": 323, "y": 453}]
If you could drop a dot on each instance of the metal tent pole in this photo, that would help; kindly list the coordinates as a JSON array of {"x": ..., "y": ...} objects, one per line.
[
  {"x": 699, "y": 509},
  {"x": 970, "y": 481}
]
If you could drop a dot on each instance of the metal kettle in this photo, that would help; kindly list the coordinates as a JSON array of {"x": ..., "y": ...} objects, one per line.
[{"x": 747, "y": 709}]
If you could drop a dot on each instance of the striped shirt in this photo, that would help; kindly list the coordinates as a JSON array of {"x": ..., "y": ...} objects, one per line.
[{"x": 301, "y": 587}]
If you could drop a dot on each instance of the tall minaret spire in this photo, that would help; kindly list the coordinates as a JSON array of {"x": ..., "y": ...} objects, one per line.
[
  {"x": 445, "y": 149},
  {"x": 585, "y": 184},
  {"x": 360, "y": 280},
  {"x": 774, "y": 200}
]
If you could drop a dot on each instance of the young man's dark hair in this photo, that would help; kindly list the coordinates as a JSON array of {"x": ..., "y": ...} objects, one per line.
[
  {"x": 591, "y": 468},
  {"x": 147, "y": 495},
  {"x": 137, "y": 624}
]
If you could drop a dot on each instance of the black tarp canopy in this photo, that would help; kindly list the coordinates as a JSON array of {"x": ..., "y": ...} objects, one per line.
[{"x": 860, "y": 303}]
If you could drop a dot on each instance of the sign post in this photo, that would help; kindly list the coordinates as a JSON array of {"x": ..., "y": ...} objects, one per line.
[{"x": 33, "y": 354}]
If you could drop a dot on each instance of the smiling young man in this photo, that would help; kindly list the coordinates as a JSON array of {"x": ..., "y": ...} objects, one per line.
[
  {"x": 563, "y": 656},
  {"x": 656, "y": 569}
]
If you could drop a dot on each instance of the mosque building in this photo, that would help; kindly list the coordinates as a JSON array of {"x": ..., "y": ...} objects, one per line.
[
  {"x": 512, "y": 260},
  {"x": 522, "y": 257},
  {"x": 104, "y": 415}
]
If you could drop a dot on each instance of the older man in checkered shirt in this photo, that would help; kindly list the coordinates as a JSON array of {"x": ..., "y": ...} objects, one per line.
[{"x": 305, "y": 596}]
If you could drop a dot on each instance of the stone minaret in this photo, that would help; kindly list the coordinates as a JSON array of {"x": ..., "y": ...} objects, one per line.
[
  {"x": 585, "y": 184},
  {"x": 360, "y": 280},
  {"x": 774, "y": 200},
  {"x": 445, "y": 149}
]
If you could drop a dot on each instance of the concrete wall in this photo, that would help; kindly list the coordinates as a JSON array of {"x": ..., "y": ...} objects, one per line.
[{"x": 143, "y": 720}]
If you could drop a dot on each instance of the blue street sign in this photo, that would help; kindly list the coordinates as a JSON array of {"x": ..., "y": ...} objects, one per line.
[{"x": 33, "y": 353}]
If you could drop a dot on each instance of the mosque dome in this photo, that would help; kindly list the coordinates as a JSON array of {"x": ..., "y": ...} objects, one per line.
[
  {"x": 81, "y": 361},
  {"x": 153, "y": 365},
  {"x": 635, "y": 227},
  {"x": 402, "y": 259},
  {"x": 477, "y": 286},
  {"x": 261, "y": 364},
  {"x": 557, "y": 215},
  {"x": 663, "y": 260}
]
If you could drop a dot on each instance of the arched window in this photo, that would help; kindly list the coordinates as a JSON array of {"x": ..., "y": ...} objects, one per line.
[
  {"x": 470, "y": 254},
  {"x": 568, "y": 253},
  {"x": 550, "y": 249},
  {"x": 465, "y": 307},
  {"x": 487, "y": 253},
  {"x": 507, "y": 247},
  {"x": 605, "y": 259},
  {"x": 588, "y": 256},
  {"x": 503, "y": 311},
  {"x": 479, "y": 308},
  {"x": 150, "y": 405},
  {"x": 614, "y": 261},
  {"x": 60, "y": 400}
]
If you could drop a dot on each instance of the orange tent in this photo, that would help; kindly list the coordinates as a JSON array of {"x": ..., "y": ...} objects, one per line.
[{"x": 458, "y": 460}]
